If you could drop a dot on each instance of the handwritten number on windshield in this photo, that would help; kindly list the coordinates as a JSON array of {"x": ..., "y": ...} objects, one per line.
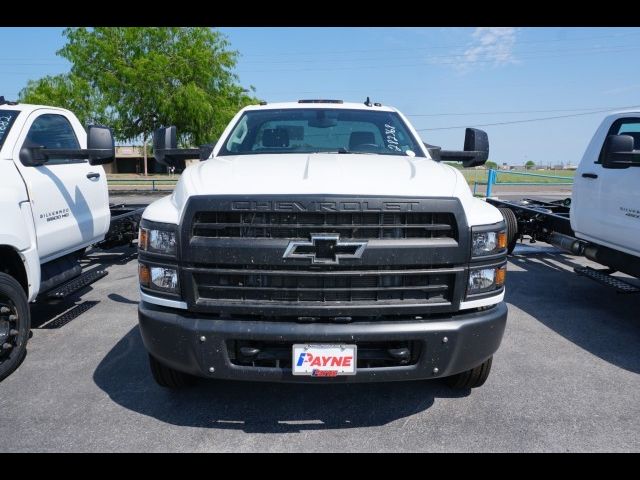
[{"x": 392, "y": 141}]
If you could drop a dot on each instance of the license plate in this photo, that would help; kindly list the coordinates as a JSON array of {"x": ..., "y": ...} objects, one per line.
[{"x": 324, "y": 360}]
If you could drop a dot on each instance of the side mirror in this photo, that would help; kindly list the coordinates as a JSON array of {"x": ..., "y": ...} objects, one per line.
[
  {"x": 476, "y": 149},
  {"x": 619, "y": 152},
  {"x": 164, "y": 139},
  {"x": 476, "y": 142},
  {"x": 101, "y": 145},
  {"x": 166, "y": 151},
  {"x": 100, "y": 150}
]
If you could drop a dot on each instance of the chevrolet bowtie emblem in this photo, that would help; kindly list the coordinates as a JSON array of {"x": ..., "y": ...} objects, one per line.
[{"x": 325, "y": 248}]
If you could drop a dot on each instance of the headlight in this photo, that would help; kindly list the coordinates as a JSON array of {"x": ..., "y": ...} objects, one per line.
[
  {"x": 164, "y": 279},
  {"x": 486, "y": 279},
  {"x": 488, "y": 243},
  {"x": 157, "y": 240}
]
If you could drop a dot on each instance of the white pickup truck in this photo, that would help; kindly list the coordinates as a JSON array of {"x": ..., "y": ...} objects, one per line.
[
  {"x": 602, "y": 218},
  {"x": 322, "y": 241},
  {"x": 55, "y": 203}
]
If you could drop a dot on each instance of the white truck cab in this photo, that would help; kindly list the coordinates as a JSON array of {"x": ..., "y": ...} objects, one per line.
[
  {"x": 605, "y": 207},
  {"x": 64, "y": 201},
  {"x": 54, "y": 202},
  {"x": 322, "y": 239}
]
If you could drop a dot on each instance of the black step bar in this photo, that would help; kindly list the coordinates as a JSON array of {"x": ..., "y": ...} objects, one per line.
[
  {"x": 601, "y": 276},
  {"x": 76, "y": 284}
]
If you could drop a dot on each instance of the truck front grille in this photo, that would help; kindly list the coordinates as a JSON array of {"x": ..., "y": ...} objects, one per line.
[
  {"x": 234, "y": 262},
  {"x": 299, "y": 225},
  {"x": 336, "y": 285}
]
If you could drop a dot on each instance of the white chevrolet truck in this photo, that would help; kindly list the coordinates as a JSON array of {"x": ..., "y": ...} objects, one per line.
[
  {"x": 55, "y": 203},
  {"x": 602, "y": 218},
  {"x": 322, "y": 241}
]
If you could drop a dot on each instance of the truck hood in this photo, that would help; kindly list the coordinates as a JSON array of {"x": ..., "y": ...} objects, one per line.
[
  {"x": 323, "y": 174},
  {"x": 318, "y": 173}
]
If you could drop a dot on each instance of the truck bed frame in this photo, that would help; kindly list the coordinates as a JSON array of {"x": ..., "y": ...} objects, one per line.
[{"x": 539, "y": 219}]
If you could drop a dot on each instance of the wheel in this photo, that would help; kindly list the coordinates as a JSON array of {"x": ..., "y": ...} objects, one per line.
[
  {"x": 168, "y": 377},
  {"x": 473, "y": 378},
  {"x": 512, "y": 228},
  {"x": 15, "y": 325}
]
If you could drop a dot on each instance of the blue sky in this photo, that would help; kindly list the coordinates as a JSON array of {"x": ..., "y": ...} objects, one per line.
[{"x": 440, "y": 77}]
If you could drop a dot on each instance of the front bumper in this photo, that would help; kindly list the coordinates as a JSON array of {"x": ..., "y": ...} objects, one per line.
[{"x": 174, "y": 338}]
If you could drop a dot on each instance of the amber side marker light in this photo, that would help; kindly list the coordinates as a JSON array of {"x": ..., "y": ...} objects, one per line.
[
  {"x": 502, "y": 239},
  {"x": 142, "y": 238},
  {"x": 501, "y": 274},
  {"x": 144, "y": 275}
]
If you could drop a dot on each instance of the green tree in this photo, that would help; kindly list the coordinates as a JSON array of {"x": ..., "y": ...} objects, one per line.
[
  {"x": 529, "y": 165},
  {"x": 147, "y": 77},
  {"x": 70, "y": 92},
  {"x": 490, "y": 164}
]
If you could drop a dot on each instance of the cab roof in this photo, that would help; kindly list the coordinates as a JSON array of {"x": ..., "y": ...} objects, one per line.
[
  {"x": 27, "y": 107},
  {"x": 321, "y": 104}
]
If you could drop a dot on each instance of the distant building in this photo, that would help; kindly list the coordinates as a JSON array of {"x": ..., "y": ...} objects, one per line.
[{"x": 130, "y": 159}]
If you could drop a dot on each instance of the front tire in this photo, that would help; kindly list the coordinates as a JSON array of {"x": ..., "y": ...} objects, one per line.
[
  {"x": 168, "y": 377},
  {"x": 15, "y": 325},
  {"x": 473, "y": 378},
  {"x": 512, "y": 228}
]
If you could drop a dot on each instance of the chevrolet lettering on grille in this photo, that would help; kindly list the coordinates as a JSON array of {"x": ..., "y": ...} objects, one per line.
[{"x": 324, "y": 248}]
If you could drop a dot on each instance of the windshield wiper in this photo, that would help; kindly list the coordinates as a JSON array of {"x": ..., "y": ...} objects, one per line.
[{"x": 337, "y": 150}]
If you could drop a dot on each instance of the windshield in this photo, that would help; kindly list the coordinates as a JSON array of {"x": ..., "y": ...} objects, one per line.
[
  {"x": 6, "y": 120},
  {"x": 315, "y": 130}
]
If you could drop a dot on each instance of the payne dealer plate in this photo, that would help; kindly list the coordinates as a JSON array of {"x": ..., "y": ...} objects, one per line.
[{"x": 326, "y": 360}]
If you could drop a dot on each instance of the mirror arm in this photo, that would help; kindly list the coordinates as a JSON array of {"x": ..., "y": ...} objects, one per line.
[
  {"x": 634, "y": 153},
  {"x": 434, "y": 151},
  {"x": 626, "y": 158},
  {"x": 469, "y": 158},
  {"x": 460, "y": 155},
  {"x": 180, "y": 154},
  {"x": 64, "y": 153}
]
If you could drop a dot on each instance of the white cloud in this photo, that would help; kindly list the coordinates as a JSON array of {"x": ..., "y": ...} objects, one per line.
[
  {"x": 490, "y": 46},
  {"x": 624, "y": 89}
]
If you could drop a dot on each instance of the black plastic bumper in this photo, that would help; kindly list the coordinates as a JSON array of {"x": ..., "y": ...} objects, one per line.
[{"x": 198, "y": 345}]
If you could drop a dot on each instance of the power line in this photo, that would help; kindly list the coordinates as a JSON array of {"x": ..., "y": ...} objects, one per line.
[
  {"x": 337, "y": 91},
  {"x": 508, "y": 112},
  {"x": 484, "y": 57},
  {"x": 430, "y": 64},
  {"x": 468, "y": 44},
  {"x": 527, "y": 120},
  {"x": 316, "y": 53},
  {"x": 445, "y": 56}
]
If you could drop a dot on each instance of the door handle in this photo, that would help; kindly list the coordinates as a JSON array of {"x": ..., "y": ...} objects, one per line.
[
  {"x": 93, "y": 175},
  {"x": 590, "y": 175}
]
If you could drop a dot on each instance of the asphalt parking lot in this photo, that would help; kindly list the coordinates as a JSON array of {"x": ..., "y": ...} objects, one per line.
[{"x": 566, "y": 378}]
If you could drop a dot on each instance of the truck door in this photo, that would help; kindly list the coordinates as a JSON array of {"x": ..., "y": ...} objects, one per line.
[
  {"x": 69, "y": 198},
  {"x": 607, "y": 200}
]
